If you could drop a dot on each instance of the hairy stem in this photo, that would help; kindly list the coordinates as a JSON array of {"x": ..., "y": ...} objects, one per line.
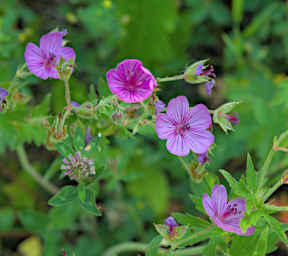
[
  {"x": 68, "y": 102},
  {"x": 171, "y": 78},
  {"x": 133, "y": 246},
  {"x": 186, "y": 167},
  {"x": 26, "y": 165}
]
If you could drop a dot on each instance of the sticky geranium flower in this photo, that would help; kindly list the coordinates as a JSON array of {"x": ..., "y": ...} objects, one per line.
[
  {"x": 226, "y": 215},
  {"x": 3, "y": 93},
  {"x": 184, "y": 128},
  {"x": 77, "y": 167},
  {"x": 42, "y": 61},
  {"x": 130, "y": 81}
]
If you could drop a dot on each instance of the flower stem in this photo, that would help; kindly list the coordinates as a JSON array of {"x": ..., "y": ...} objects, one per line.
[
  {"x": 68, "y": 102},
  {"x": 26, "y": 165},
  {"x": 133, "y": 246},
  {"x": 171, "y": 78},
  {"x": 186, "y": 167}
]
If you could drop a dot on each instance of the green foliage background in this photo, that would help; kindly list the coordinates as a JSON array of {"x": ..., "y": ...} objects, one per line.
[{"x": 246, "y": 41}]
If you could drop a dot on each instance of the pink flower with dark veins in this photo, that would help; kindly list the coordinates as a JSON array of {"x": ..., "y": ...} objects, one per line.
[
  {"x": 42, "y": 61},
  {"x": 185, "y": 129},
  {"x": 226, "y": 215},
  {"x": 130, "y": 81}
]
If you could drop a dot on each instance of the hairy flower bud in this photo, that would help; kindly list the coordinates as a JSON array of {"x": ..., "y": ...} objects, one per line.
[{"x": 77, "y": 167}]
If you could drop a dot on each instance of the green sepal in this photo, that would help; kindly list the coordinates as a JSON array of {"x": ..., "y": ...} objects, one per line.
[{"x": 189, "y": 74}]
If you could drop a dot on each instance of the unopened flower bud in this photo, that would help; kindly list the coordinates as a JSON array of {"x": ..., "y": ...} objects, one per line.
[
  {"x": 159, "y": 106},
  {"x": 65, "y": 68}
]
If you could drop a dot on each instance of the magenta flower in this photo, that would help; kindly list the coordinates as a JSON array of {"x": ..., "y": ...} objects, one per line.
[
  {"x": 130, "y": 81},
  {"x": 208, "y": 74},
  {"x": 42, "y": 61},
  {"x": 184, "y": 128},
  {"x": 226, "y": 215}
]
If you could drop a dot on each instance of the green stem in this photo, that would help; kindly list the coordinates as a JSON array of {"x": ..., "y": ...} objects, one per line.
[
  {"x": 133, "y": 246},
  {"x": 68, "y": 102},
  {"x": 186, "y": 167},
  {"x": 20, "y": 150},
  {"x": 171, "y": 78},
  {"x": 272, "y": 190}
]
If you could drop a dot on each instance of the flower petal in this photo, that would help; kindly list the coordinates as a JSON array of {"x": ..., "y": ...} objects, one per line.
[
  {"x": 164, "y": 126},
  {"x": 199, "y": 117},
  {"x": 34, "y": 58},
  {"x": 208, "y": 205},
  {"x": 177, "y": 146},
  {"x": 178, "y": 109},
  {"x": 219, "y": 197},
  {"x": 198, "y": 141},
  {"x": 239, "y": 204},
  {"x": 127, "y": 68},
  {"x": 67, "y": 53},
  {"x": 51, "y": 42}
]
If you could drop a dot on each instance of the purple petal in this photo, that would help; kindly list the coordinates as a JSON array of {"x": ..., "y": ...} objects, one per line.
[
  {"x": 34, "y": 58},
  {"x": 208, "y": 205},
  {"x": 203, "y": 158},
  {"x": 249, "y": 231},
  {"x": 177, "y": 145},
  {"x": 219, "y": 197},
  {"x": 199, "y": 117},
  {"x": 170, "y": 221},
  {"x": 238, "y": 203},
  {"x": 232, "y": 224},
  {"x": 51, "y": 42},
  {"x": 67, "y": 53},
  {"x": 199, "y": 69},
  {"x": 209, "y": 85},
  {"x": 164, "y": 126},
  {"x": 198, "y": 141},
  {"x": 75, "y": 104},
  {"x": 178, "y": 109},
  {"x": 159, "y": 106},
  {"x": 3, "y": 93}
]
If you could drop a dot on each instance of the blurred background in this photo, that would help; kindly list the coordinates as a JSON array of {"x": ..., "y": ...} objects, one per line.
[{"x": 246, "y": 42}]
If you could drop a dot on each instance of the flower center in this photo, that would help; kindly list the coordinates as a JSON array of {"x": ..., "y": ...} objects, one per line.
[
  {"x": 181, "y": 128},
  {"x": 50, "y": 61},
  {"x": 231, "y": 210}
]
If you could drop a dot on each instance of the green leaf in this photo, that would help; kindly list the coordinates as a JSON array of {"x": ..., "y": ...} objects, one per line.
[
  {"x": 277, "y": 228},
  {"x": 6, "y": 219},
  {"x": 189, "y": 220},
  {"x": 211, "y": 248},
  {"x": 152, "y": 248},
  {"x": 103, "y": 88},
  {"x": 66, "y": 195},
  {"x": 33, "y": 221},
  {"x": 88, "y": 200},
  {"x": 243, "y": 245},
  {"x": 261, "y": 245},
  {"x": 259, "y": 20},
  {"x": 251, "y": 220},
  {"x": 251, "y": 175},
  {"x": 232, "y": 182},
  {"x": 43, "y": 108}
]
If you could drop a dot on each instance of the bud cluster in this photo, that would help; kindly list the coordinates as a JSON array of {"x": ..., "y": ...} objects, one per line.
[{"x": 78, "y": 167}]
